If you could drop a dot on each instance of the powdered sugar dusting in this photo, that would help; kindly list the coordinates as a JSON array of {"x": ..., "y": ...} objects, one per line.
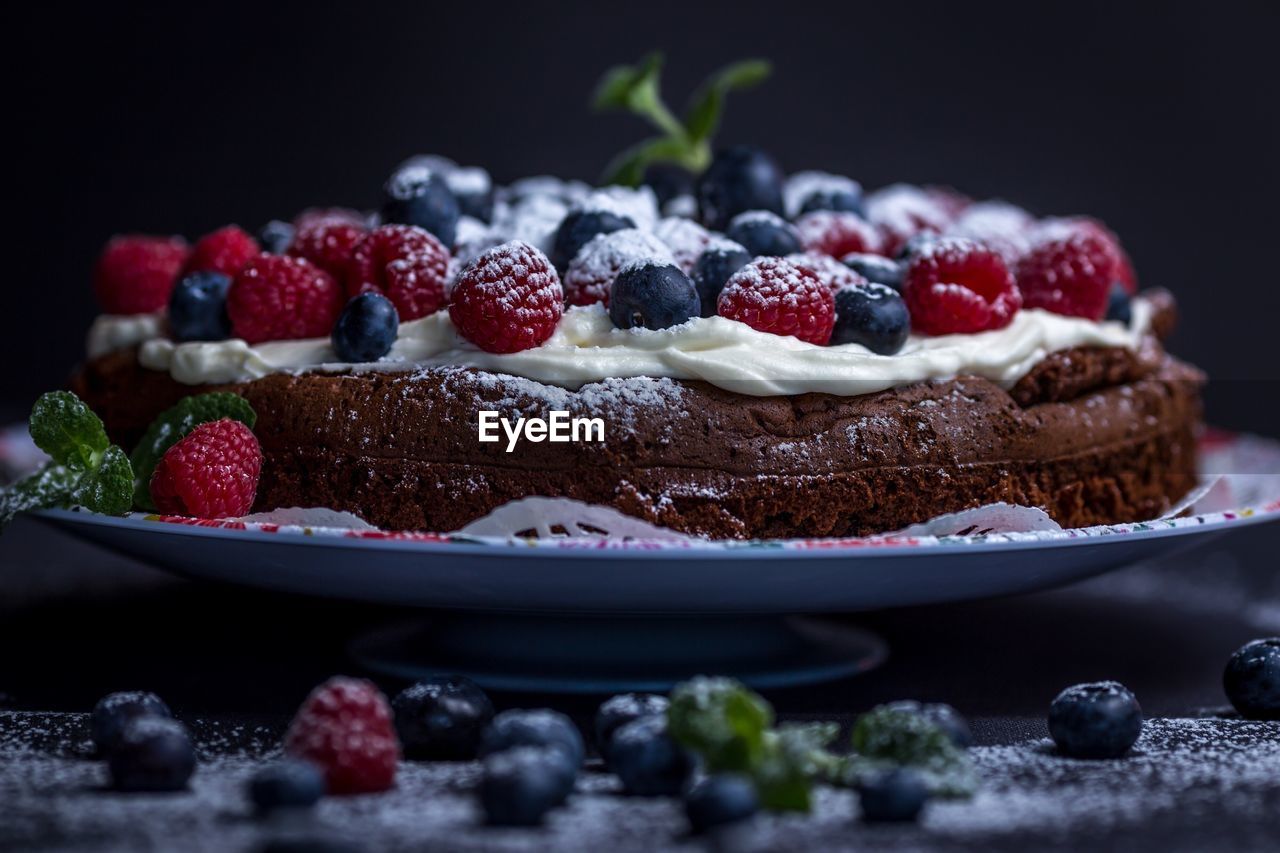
[
  {"x": 686, "y": 239},
  {"x": 801, "y": 185},
  {"x": 597, "y": 264}
]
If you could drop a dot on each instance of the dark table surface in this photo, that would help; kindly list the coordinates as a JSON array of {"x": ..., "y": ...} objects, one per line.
[{"x": 77, "y": 622}]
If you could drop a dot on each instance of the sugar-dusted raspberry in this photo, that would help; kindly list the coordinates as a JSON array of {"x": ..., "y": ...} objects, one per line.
[
  {"x": 226, "y": 251},
  {"x": 1123, "y": 271},
  {"x": 902, "y": 211},
  {"x": 837, "y": 233},
  {"x": 686, "y": 239},
  {"x": 317, "y": 215},
  {"x": 953, "y": 286},
  {"x": 829, "y": 271},
  {"x": 998, "y": 225},
  {"x": 509, "y": 299},
  {"x": 345, "y": 728},
  {"x": 135, "y": 273},
  {"x": 597, "y": 264},
  {"x": 404, "y": 262},
  {"x": 276, "y": 298},
  {"x": 328, "y": 244},
  {"x": 211, "y": 473},
  {"x": 776, "y": 296},
  {"x": 1070, "y": 273}
]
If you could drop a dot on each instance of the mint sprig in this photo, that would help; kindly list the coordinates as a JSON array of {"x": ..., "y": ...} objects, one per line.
[
  {"x": 683, "y": 141},
  {"x": 175, "y": 423},
  {"x": 885, "y": 738}
]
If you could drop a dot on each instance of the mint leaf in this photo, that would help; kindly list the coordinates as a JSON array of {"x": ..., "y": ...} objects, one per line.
[
  {"x": 703, "y": 114},
  {"x": 51, "y": 486},
  {"x": 885, "y": 738},
  {"x": 64, "y": 427},
  {"x": 627, "y": 169},
  {"x": 617, "y": 89},
  {"x": 172, "y": 425},
  {"x": 722, "y": 721},
  {"x": 108, "y": 488}
]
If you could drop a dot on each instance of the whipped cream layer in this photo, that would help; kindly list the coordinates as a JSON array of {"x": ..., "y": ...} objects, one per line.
[{"x": 586, "y": 347}]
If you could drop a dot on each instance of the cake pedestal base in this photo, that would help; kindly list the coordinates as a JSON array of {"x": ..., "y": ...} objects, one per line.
[{"x": 548, "y": 653}]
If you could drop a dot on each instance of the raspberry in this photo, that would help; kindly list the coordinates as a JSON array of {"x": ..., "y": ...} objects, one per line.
[
  {"x": 135, "y": 273},
  {"x": 902, "y": 211},
  {"x": 404, "y": 262},
  {"x": 211, "y": 473},
  {"x": 226, "y": 250},
  {"x": 327, "y": 244},
  {"x": 1069, "y": 274},
  {"x": 686, "y": 239},
  {"x": 954, "y": 285},
  {"x": 591, "y": 272},
  {"x": 776, "y": 296},
  {"x": 319, "y": 215},
  {"x": 829, "y": 271},
  {"x": 508, "y": 300},
  {"x": 277, "y": 298},
  {"x": 1122, "y": 272},
  {"x": 838, "y": 234},
  {"x": 344, "y": 727}
]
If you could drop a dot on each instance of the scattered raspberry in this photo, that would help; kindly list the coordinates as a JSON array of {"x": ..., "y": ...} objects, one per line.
[
  {"x": 345, "y": 728},
  {"x": 509, "y": 299},
  {"x": 226, "y": 250},
  {"x": 838, "y": 234},
  {"x": 829, "y": 271},
  {"x": 327, "y": 244},
  {"x": 211, "y": 473},
  {"x": 685, "y": 238},
  {"x": 276, "y": 298},
  {"x": 135, "y": 273},
  {"x": 956, "y": 286},
  {"x": 902, "y": 211},
  {"x": 1070, "y": 273},
  {"x": 776, "y": 296},
  {"x": 597, "y": 264},
  {"x": 404, "y": 262}
]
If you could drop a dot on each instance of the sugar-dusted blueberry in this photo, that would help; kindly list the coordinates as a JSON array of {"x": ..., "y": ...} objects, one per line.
[
  {"x": 915, "y": 245},
  {"x": 873, "y": 315},
  {"x": 198, "y": 307},
  {"x": 1252, "y": 679},
  {"x": 521, "y": 784},
  {"x": 417, "y": 195},
  {"x": 442, "y": 718},
  {"x": 893, "y": 796},
  {"x": 115, "y": 710},
  {"x": 652, "y": 296},
  {"x": 1098, "y": 720},
  {"x": 763, "y": 233},
  {"x": 473, "y": 189},
  {"x": 1119, "y": 304},
  {"x": 542, "y": 727},
  {"x": 739, "y": 179},
  {"x": 720, "y": 800},
  {"x": 577, "y": 229},
  {"x": 841, "y": 201},
  {"x": 276, "y": 236},
  {"x": 152, "y": 754},
  {"x": 287, "y": 784},
  {"x": 668, "y": 181},
  {"x": 941, "y": 715},
  {"x": 619, "y": 710},
  {"x": 366, "y": 328},
  {"x": 875, "y": 268},
  {"x": 714, "y": 267},
  {"x": 648, "y": 761}
]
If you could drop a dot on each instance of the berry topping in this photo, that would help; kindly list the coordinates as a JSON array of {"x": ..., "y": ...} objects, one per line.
[
  {"x": 1119, "y": 304},
  {"x": 839, "y": 201},
  {"x": 418, "y": 195},
  {"x": 286, "y": 784},
  {"x": 543, "y": 728},
  {"x": 713, "y": 268},
  {"x": 1252, "y": 679},
  {"x": 774, "y": 295},
  {"x": 312, "y": 216},
  {"x": 328, "y": 244},
  {"x": 592, "y": 271},
  {"x": 648, "y": 761},
  {"x": 277, "y": 298},
  {"x": 719, "y": 801},
  {"x": 875, "y": 268},
  {"x": 1100, "y": 720},
  {"x": 406, "y": 263},
  {"x": 442, "y": 718},
  {"x": 739, "y": 179},
  {"x": 114, "y": 711},
  {"x": 226, "y": 251},
  {"x": 1069, "y": 274},
  {"x": 893, "y": 796},
  {"x": 668, "y": 181},
  {"x": 957, "y": 286},
  {"x": 211, "y": 473},
  {"x": 276, "y": 236},
  {"x": 473, "y": 188},
  {"x": 808, "y": 191},
  {"x": 873, "y": 315},
  {"x": 366, "y": 329},
  {"x": 652, "y": 296},
  {"x": 152, "y": 754},
  {"x": 829, "y": 271},
  {"x": 838, "y": 234},
  {"x": 763, "y": 233},
  {"x": 198, "y": 307},
  {"x": 997, "y": 225},
  {"x": 508, "y": 300},
  {"x": 135, "y": 273},
  {"x": 902, "y": 211},
  {"x": 577, "y": 229},
  {"x": 344, "y": 728},
  {"x": 520, "y": 785},
  {"x": 619, "y": 710},
  {"x": 686, "y": 239}
]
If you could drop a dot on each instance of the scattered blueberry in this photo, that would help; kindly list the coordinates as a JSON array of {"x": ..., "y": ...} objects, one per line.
[
  {"x": 1100, "y": 720},
  {"x": 152, "y": 754},
  {"x": 873, "y": 315},
  {"x": 114, "y": 711},
  {"x": 915, "y": 245},
  {"x": 739, "y": 179},
  {"x": 653, "y": 296},
  {"x": 875, "y": 268},
  {"x": 577, "y": 229},
  {"x": 647, "y": 760},
  {"x": 198, "y": 307},
  {"x": 1252, "y": 679},
  {"x": 668, "y": 181},
  {"x": 941, "y": 715},
  {"x": 720, "y": 800},
  {"x": 893, "y": 796},
  {"x": 276, "y": 236},
  {"x": 763, "y": 233},
  {"x": 520, "y": 785},
  {"x": 845, "y": 201},
  {"x": 289, "y": 784},
  {"x": 622, "y": 709},
  {"x": 712, "y": 269},
  {"x": 1119, "y": 305},
  {"x": 417, "y": 195},
  {"x": 442, "y": 718},
  {"x": 533, "y": 728},
  {"x": 366, "y": 328}
]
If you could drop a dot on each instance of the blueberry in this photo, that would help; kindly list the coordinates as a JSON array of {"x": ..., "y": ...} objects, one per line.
[
  {"x": 915, "y": 245},
  {"x": 543, "y": 727},
  {"x": 844, "y": 201},
  {"x": 875, "y": 268},
  {"x": 668, "y": 181},
  {"x": 417, "y": 195},
  {"x": 720, "y": 800},
  {"x": 655, "y": 296},
  {"x": 1252, "y": 679},
  {"x": 763, "y": 233},
  {"x": 577, "y": 229},
  {"x": 739, "y": 179},
  {"x": 473, "y": 188},
  {"x": 366, "y": 329},
  {"x": 152, "y": 754},
  {"x": 114, "y": 711},
  {"x": 198, "y": 307},
  {"x": 520, "y": 785},
  {"x": 713, "y": 268},
  {"x": 442, "y": 718},
  {"x": 647, "y": 760},
  {"x": 893, "y": 796},
  {"x": 275, "y": 236},
  {"x": 873, "y": 315},
  {"x": 1119, "y": 305},
  {"x": 1100, "y": 720},
  {"x": 941, "y": 715},
  {"x": 287, "y": 785},
  {"x": 622, "y": 709}
]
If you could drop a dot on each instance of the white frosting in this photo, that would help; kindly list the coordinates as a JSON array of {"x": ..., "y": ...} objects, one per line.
[
  {"x": 587, "y": 348},
  {"x": 111, "y": 332}
]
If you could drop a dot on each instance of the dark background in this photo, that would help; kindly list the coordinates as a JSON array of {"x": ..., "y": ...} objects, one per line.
[{"x": 183, "y": 117}]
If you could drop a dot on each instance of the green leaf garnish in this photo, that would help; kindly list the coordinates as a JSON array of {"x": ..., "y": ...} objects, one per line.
[
  {"x": 885, "y": 738},
  {"x": 63, "y": 426},
  {"x": 722, "y": 721},
  {"x": 172, "y": 425},
  {"x": 702, "y": 118}
]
